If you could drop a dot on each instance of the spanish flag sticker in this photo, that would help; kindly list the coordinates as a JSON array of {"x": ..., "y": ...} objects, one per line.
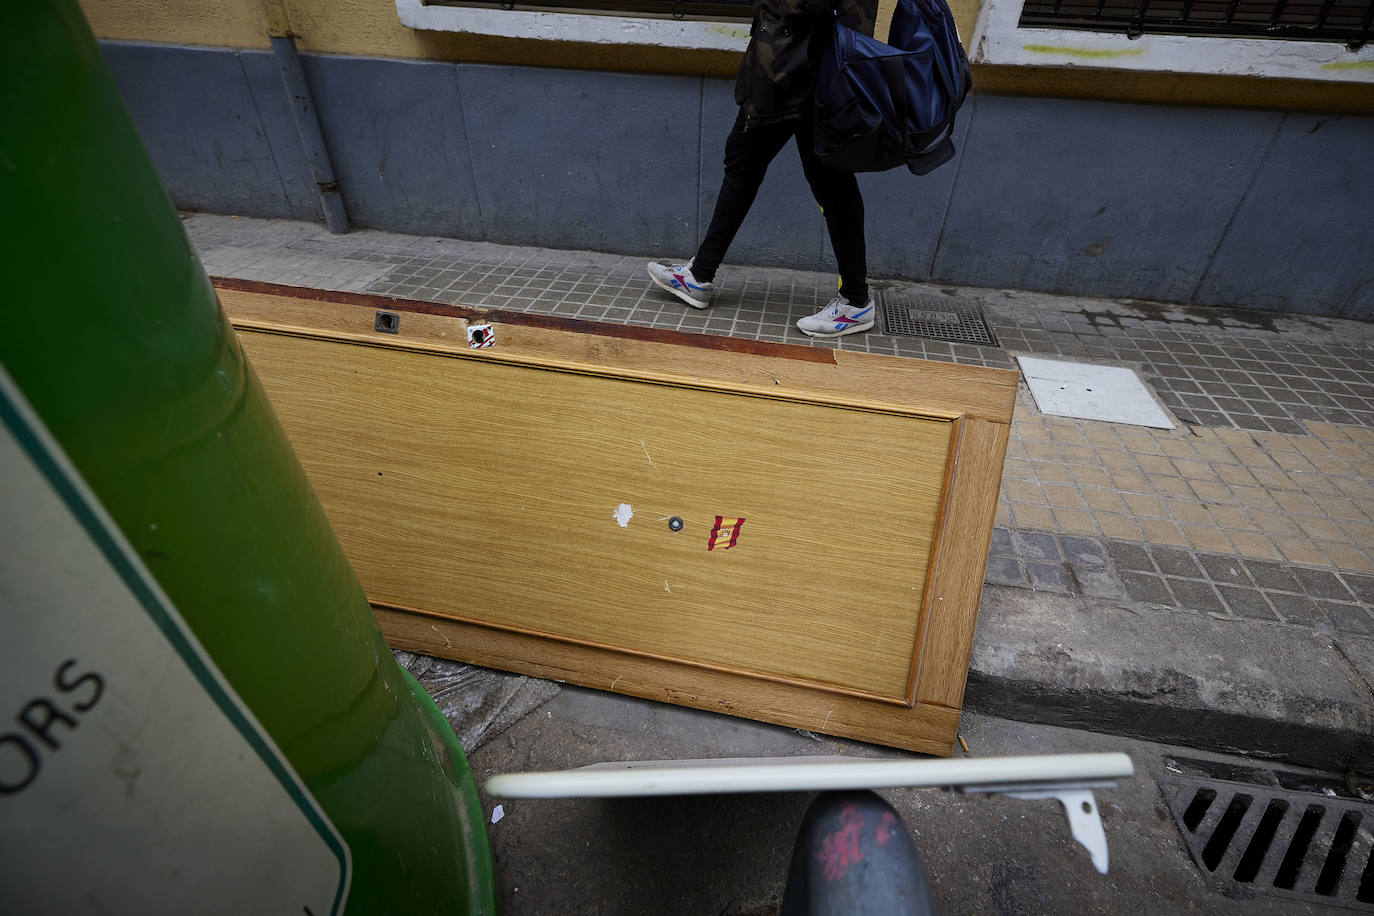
[{"x": 726, "y": 533}]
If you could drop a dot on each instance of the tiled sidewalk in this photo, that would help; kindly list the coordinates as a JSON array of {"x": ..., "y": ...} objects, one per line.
[
  {"x": 1221, "y": 512},
  {"x": 1260, "y": 505}
]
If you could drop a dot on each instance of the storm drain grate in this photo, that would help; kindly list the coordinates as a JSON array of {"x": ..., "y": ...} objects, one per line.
[
  {"x": 1254, "y": 839},
  {"x": 935, "y": 318}
]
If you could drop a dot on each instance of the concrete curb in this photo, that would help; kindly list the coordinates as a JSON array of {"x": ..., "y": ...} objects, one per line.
[{"x": 1220, "y": 684}]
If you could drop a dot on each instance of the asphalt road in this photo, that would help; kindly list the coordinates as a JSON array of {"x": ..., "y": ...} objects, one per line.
[{"x": 720, "y": 855}]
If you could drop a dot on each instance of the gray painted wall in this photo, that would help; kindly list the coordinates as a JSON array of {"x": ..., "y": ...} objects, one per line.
[{"x": 1223, "y": 207}]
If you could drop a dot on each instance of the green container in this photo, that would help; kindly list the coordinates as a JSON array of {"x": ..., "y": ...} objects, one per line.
[{"x": 113, "y": 333}]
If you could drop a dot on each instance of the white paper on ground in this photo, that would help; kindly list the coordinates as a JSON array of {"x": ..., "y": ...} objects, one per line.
[{"x": 1087, "y": 392}]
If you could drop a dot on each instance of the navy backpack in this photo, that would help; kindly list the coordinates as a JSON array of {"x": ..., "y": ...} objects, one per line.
[{"x": 881, "y": 105}]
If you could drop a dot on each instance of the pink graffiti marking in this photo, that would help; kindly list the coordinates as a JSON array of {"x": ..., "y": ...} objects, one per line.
[
  {"x": 841, "y": 848},
  {"x": 886, "y": 830}
]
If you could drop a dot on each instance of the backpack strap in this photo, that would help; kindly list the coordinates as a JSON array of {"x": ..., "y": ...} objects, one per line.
[{"x": 923, "y": 163}]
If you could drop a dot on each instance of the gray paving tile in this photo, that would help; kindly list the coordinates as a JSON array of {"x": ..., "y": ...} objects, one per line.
[
  {"x": 1298, "y": 609},
  {"x": 1050, "y": 577},
  {"x": 1006, "y": 571},
  {"x": 1318, "y": 583},
  {"x": 1097, "y": 583},
  {"x": 1175, "y": 562},
  {"x": 1128, "y": 556},
  {"x": 1272, "y": 576},
  {"x": 1362, "y": 586},
  {"x": 1224, "y": 570},
  {"x": 1348, "y": 618},
  {"x": 1034, "y": 545},
  {"x": 1148, "y": 589},
  {"x": 1247, "y": 602},
  {"x": 1001, "y": 545},
  {"x": 1197, "y": 596},
  {"x": 1080, "y": 551}
]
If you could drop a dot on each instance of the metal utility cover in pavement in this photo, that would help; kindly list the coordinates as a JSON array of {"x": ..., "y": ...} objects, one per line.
[
  {"x": 1250, "y": 839},
  {"x": 935, "y": 318},
  {"x": 1087, "y": 392}
]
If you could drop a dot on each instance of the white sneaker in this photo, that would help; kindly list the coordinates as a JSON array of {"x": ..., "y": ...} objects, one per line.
[
  {"x": 680, "y": 282},
  {"x": 838, "y": 319}
]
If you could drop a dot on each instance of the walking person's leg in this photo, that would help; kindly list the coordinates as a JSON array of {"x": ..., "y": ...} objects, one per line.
[
  {"x": 748, "y": 152},
  {"x": 838, "y": 194}
]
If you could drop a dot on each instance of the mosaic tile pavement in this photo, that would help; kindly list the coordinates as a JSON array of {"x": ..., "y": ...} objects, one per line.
[
  {"x": 1260, "y": 505},
  {"x": 1223, "y": 585},
  {"x": 1215, "y": 367},
  {"x": 1306, "y": 499}
]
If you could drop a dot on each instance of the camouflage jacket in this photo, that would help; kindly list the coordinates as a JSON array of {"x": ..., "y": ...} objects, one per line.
[{"x": 777, "y": 76}]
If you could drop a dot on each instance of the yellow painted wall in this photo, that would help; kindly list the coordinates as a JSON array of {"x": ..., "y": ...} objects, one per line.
[
  {"x": 371, "y": 28},
  {"x": 1177, "y": 88},
  {"x": 220, "y": 23},
  {"x": 364, "y": 27}
]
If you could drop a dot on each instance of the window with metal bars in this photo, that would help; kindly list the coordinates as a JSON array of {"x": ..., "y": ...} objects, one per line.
[
  {"x": 1349, "y": 21},
  {"x": 667, "y": 9}
]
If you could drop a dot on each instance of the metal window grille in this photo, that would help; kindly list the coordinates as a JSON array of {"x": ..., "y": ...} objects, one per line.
[
  {"x": 667, "y": 9},
  {"x": 1349, "y": 21}
]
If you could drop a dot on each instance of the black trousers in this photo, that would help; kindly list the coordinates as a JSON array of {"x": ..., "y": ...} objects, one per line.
[{"x": 747, "y": 156}]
